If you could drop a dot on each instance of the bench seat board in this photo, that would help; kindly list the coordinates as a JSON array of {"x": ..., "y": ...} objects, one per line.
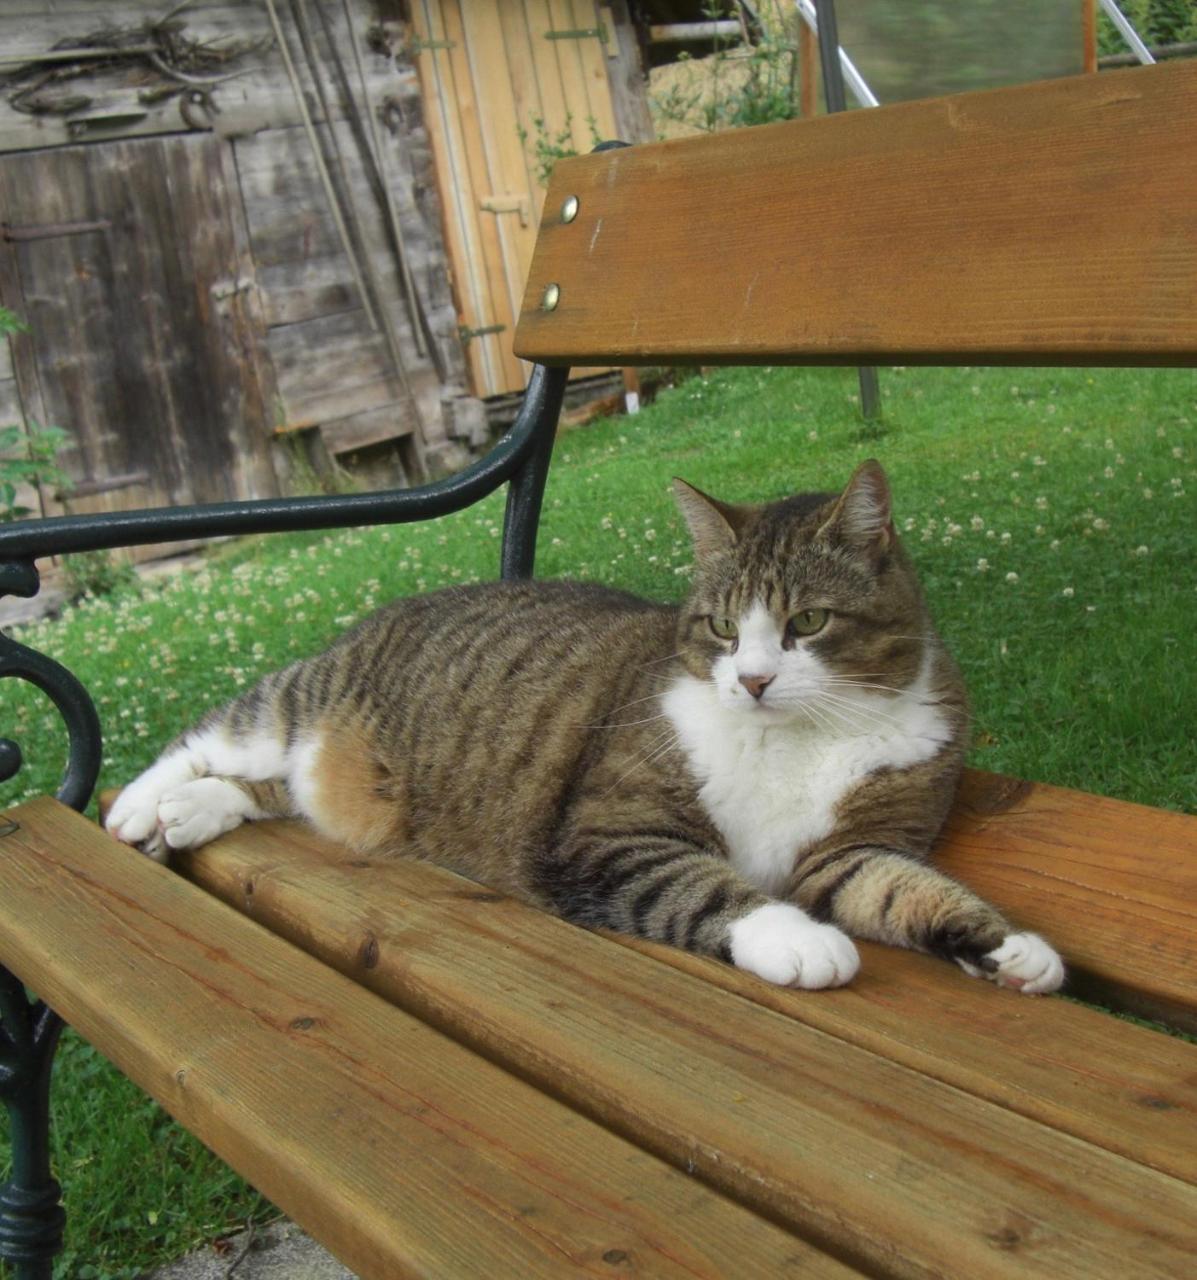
[
  {"x": 1009, "y": 1136},
  {"x": 403, "y": 1152},
  {"x": 1114, "y": 885},
  {"x": 1052, "y": 223}
]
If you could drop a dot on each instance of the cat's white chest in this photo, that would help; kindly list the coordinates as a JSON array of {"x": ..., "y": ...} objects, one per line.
[{"x": 772, "y": 789}]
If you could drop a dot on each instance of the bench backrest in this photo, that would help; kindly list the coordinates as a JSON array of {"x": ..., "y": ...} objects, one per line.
[{"x": 1051, "y": 223}]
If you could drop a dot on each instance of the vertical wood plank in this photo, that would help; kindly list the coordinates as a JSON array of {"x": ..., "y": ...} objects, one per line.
[
  {"x": 625, "y": 76},
  {"x": 501, "y": 143},
  {"x": 1089, "y": 35},
  {"x": 592, "y": 67},
  {"x": 485, "y": 180},
  {"x": 456, "y": 194},
  {"x": 808, "y": 71}
]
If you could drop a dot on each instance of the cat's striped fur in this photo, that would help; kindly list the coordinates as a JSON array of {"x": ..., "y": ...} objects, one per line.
[{"x": 749, "y": 776}]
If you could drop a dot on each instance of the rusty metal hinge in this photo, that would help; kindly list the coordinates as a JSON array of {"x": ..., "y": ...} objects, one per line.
[
  {"x": 508, "y": 204},
  {"x": 465, "y": 333}
]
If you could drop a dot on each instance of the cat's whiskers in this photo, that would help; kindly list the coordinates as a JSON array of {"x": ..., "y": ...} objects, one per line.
[
  {"x": 623, "y": 724},
  {"x": 853, "y": 716},
  {"x": 658, "y": 747},
  {"x": 873, "y": 716},
  {"x": 841, "y": 682},
  {"x": 656, "y": 662},
  {"x": 634, "y": 702}
]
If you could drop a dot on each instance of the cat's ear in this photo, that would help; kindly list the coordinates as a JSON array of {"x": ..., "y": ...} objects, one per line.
[
  {"x": 863, "y": 517},
  {"x": 712, "y": 524}
]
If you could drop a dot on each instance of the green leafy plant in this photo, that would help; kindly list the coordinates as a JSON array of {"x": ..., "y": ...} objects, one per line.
[
  {"x": 95, "y": 573},
  {"x": 546, "y": 145},
  {"x": 27, "y": 456}
]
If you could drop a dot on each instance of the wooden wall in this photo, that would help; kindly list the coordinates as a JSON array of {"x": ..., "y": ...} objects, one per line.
[{"x": 381, "y": 370}]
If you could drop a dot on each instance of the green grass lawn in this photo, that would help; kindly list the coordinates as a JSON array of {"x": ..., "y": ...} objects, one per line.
[{"x": 1051, "y": 513}]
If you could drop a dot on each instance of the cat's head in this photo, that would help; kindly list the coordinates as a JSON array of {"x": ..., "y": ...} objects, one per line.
[{"x": 798, "y": 605}]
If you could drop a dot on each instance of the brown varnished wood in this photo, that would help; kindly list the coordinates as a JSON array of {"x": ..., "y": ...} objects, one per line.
[
  {"x": 406, "y": 1154},
  {"x": 1114, "y": 885},
  {"x": 916, "y": 1121},
  {"x": 1052, "y": 223}
]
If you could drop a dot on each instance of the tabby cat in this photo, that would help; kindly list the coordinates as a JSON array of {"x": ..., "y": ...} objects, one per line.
[{"x": 756, "y": 775}]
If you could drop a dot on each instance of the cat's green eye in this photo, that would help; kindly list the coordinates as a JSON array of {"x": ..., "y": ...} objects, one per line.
[
  {"x": 724, "y": 628},
  {"x": 808, "y": 622}
]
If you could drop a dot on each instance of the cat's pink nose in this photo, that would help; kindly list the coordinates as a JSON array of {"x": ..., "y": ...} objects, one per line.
[{"x": 756, "y": 685}]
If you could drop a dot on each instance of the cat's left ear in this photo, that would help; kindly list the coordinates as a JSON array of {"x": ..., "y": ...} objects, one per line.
[
  {"x": 863, "y": 516},
  {"x": 713, "y": 524}
]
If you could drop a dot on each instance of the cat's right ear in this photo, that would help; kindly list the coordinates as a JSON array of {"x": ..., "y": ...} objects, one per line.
[{"x": 712, "y": 523}]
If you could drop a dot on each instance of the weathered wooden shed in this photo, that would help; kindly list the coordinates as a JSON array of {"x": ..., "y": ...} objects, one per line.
[{"x": 230, "y": 224}]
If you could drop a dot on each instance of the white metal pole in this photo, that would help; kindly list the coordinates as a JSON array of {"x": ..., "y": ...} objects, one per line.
[
  {"x": 1129, "y": 34},
  {"x": 852, "y": 78}
]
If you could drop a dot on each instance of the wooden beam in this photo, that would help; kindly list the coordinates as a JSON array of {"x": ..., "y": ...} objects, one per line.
[
  {"x": 1089, "y": 35},
  {"x": 1051, "y": 223}
]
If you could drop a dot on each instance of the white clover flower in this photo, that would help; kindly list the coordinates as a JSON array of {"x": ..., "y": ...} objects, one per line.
[
  {"x": 1011, "y": 577},
  {"x": 1068, "y": 593},
  {"x": 1099, "y": 523},
  {"x": 1041, "y": 503},
  {"x": 982, "y": 565},
  {"x": 1141, "y": 551},
  {"x": 976, "y": 524}
]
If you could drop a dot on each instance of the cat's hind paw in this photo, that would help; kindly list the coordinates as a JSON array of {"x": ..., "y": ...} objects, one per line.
[
  {"x": 1024, "y": 962},
  {"x": 782, "y": 944}
]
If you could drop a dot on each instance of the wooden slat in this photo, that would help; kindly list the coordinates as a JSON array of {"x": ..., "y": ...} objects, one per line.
[
  {"x": 1008, "y": 1138},
  {"x": 1047, "y": 223},
  {"x": 1114, "y": 885},
  {"x": 401, "y": 1151}
]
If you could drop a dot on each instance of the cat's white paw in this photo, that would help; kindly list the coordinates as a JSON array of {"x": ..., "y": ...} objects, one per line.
[
  {"x": 1024, "y": 963},
  {"x": 133, "y": 818},
  {"x": 782, "y": 944},
  {"x": 199, "y": 811}
]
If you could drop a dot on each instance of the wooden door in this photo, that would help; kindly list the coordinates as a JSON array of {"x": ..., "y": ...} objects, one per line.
[
  {"x": 124, "y": 261},
  {"x": 497, "y": 75}
]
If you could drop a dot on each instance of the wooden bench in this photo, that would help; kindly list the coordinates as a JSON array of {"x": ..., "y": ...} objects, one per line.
[{"x": 435, "y": 1080}]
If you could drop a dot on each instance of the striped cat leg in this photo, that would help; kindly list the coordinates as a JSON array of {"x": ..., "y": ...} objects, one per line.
[
  {"x": 887, "y": 895},
  {"x": 655, "y": 885},
  {"x": 211, "y": 779}
]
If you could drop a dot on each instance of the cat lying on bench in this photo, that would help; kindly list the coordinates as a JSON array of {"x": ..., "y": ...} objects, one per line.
[{"x": 755, "y": 775}]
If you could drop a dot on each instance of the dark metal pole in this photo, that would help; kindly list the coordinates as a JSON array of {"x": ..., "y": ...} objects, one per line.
[
  {"x": 836, "y": 98},
  {"x": 525, "y": 491}
]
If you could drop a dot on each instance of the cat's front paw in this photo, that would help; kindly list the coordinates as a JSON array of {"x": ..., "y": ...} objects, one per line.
[
  {"x": 133, "y": 818},
  {"x": 782, "y": 944},
  {"x": 197, "y": 812},
  {"x": 1024, "y": 962}
]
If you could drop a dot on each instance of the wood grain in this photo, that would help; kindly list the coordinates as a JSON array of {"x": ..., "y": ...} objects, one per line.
[
  {"x": 916, "y": 1122},
  {"x": 1049, "y": 223},
  {"x": 1113, "y": 884},
  {"x": 404, "y": 1153}
]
